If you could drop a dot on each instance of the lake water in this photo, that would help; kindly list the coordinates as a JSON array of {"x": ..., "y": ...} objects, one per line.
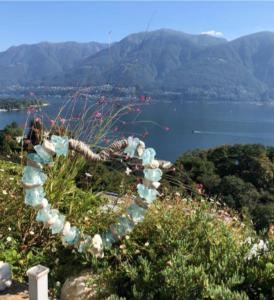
[{"x": 191, "y": 125}]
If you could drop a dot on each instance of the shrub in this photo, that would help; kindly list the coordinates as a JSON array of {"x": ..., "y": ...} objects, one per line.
[
  {"x": 241, "y": 175},
  {"x": 185, "y": 252}
]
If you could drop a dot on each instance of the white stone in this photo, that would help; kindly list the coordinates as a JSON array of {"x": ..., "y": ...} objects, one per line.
[
  {"x": 97, "y": 246},
  {"x": 5, "y": 276},
  {"x": 153, "y": 165},
  {"x": 80, "y": 288},
  {"x": 49, "y": 146},
  {"x": 141, "y": 148}
]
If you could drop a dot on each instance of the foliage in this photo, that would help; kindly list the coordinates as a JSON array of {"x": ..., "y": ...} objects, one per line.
[
  {"x": 109, "y": 177},
  {"x": 8, "y": 141},
  {"x": 198, "y": 256},
  {"x": 242, "y": 176}
]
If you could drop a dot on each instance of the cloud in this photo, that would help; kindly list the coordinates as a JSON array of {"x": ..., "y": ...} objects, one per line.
[{"x": 213, "y": 33}]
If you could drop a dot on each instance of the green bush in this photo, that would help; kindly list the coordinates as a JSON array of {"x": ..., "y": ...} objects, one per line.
[
  {"x": 263, "y": 215},
  {"x": 185, "y": 252},
  {"x": 240, "y": 175},
  {"x": 8, "y": 142}
]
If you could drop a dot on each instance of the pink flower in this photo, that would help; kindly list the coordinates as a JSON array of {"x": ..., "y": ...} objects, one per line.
[
  {"x": 52, "y": 122},
  {"x": 98, "y": 115},
  {"x": 31, "y": 110},
  {"x": 142, "y": 98},
  {"x": 138, "y": 109},
  {"x": 62, "y": 121},
  {"x": 38, "y": 120}
]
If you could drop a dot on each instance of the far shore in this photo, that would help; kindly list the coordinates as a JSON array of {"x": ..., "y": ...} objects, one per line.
[{"x": 23, "y": 108}]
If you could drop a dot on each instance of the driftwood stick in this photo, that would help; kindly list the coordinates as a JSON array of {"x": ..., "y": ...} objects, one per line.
[
  {"x": 115, "y": 149},
  {"x": 103, "y": 155}
]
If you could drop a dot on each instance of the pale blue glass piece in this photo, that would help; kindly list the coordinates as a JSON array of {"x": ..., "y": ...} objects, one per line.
[
  {"x": 45, "y": 214},
  {"x": 61, "y": 144},
  {"x": 108, "y": 239},
  {"x": 148, "y": 194},
  {"x": 123, "y": 226},
  {"x": 33, "y": 176},
  {"x": 58, "y": 225},
  {"x": 46, "y": 157},
  {"x": 73, "y": 236},
  {"x": 34, "y": 196},
  {"x": 136, "y": 213},
  {"x": 153, "y": 174},
  {"x": 132, "y": 146},
  {"x": 85, "y": 244},
  {"x": 148, "y": 156},
  {"x": 36, "y": 158}
]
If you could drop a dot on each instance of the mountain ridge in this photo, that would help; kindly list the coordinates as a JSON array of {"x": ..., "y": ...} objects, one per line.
[{"x": 197, "y": 66}]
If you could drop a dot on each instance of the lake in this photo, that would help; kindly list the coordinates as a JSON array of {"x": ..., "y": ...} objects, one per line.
[{"x": 180, "y": 127}]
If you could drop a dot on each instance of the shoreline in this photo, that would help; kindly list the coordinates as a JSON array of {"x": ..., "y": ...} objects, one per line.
[{"x": 24, "y": 108}]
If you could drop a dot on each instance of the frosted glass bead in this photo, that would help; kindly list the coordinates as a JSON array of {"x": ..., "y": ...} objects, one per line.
[
  {"x": 122, "y": 227},
  {"x": 108, "y": 239},
  {"x": 47, "y": 215},
  {"x": 46, "y": 157},
  {"x": 35, "y": 159},
  {"x": 153, "y": 174},
  {"x": 58, "y": 224},
  {"x": 72, "y": 236},
  {"x": 136, "y": 213},
  {"x": 61, "y": 144},
  {"x": 33, "y": 176},
  {"x": 148, "y": 156},
  {"x": 85, "y": 244},
  {"x": 148, "y": 194},
  {"x": 132, "y": 146},
  {"x": 35, "y": 196}
]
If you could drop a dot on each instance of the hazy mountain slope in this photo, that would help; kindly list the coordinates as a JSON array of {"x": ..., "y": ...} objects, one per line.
[
  {"x": 30, "y": 64},
  {"x": 217, "y": 72},
  {"x": 141, "y": 59},
  {"x": 198, "y": 66},
  {"x": 257, "y": 54}
]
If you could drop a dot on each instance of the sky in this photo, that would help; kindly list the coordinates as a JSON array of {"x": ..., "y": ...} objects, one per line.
[{"x": 31, "y": 22}]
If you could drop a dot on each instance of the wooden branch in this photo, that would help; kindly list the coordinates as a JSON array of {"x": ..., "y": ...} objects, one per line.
[{"x": 115, "y": 149}]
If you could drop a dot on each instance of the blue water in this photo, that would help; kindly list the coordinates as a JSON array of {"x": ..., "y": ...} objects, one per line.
[{"x": 192, "y": 125}]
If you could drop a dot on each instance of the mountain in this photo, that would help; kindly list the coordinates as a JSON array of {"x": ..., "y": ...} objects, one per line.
[
  {"x": 35, "y": 64},
  {"x": 144, "y": 59},
  {"x": 196, "y": 66},
  {"x": 199, "y": 67}
]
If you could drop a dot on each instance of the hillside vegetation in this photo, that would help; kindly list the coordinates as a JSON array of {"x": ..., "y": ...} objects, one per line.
[
  {"x": 184, "y": 249},
  {"x": 242, "y": 176}
]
